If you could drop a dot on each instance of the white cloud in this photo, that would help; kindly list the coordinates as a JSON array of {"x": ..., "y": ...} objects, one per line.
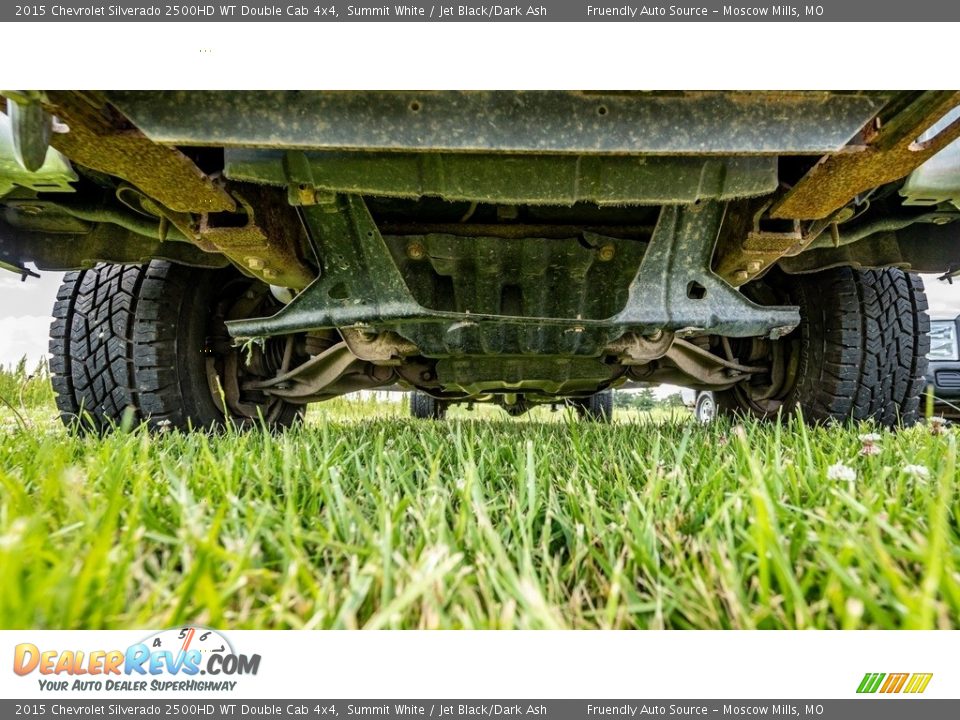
[
  {"x": 25, "y": 335},
  {"x": 25, "y": 316}
]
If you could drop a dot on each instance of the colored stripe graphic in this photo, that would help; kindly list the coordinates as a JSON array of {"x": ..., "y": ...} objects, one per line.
[
  {"x": 918, "y": 682},
  {"x": 894, "y": 683},
  {"x": 870, "y": 682}
]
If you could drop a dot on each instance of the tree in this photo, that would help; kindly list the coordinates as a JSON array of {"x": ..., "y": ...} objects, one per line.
[{"x": 673, "y": 400}]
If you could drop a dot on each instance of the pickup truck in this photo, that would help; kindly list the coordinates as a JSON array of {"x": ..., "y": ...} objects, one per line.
[
  {"x": 943, "y": 374},
  {"x": 239, "y": 255}
]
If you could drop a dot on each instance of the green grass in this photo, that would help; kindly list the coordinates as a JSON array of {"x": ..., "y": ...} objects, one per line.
[{"x": 363, "y": 518}]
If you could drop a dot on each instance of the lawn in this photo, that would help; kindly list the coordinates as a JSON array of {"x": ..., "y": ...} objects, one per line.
[{"x": 364, "y": 518}]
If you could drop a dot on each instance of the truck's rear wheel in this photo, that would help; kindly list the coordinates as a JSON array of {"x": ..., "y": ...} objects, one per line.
[
  {"x": 858, "y": 354},
  {"x": 427, "y": 407},
  {"x": 149, "y": 342}
]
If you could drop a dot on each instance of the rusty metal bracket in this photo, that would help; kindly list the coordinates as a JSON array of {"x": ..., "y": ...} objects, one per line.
[
  {"x": 93, "y": 135},
  {"x": 744, "y": 251},
  {"x": 267, "y": 246},
  {"x": 890, "y": 152}
]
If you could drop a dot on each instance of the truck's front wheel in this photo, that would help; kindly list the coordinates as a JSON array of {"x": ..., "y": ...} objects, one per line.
[
  {"x": 598, "y": 407},
  {"x": 858, "y": 354},
  {"x": 148, "y": 342}
]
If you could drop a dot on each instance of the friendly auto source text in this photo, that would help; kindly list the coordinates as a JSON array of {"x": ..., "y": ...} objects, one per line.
[{"x": 641, "y": 11}]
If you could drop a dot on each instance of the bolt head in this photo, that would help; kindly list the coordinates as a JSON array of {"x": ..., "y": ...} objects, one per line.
[
  {"x": 416, "y": 251},
  {"x": 606, "y": 252},
  {"x": 306, "y": 195}
]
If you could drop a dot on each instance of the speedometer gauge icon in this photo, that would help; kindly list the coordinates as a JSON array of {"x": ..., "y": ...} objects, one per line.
[{"x": 189, "y": 637}]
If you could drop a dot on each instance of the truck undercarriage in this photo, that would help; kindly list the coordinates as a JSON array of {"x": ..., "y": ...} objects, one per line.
[{"x": 242, "y": 254}]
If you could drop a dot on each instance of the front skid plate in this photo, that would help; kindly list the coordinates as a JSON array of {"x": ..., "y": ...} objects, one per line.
[{"x": 674, "y": 289}]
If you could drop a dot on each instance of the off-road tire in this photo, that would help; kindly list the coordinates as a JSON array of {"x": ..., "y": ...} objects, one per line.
[
  {"x": 128, "y": 344},
  {"x": 598, "y": 407},
  {"x": 862, "y": 343},
  {"x": 427, "y": 407},
  {"x": 91, "y": 353}
]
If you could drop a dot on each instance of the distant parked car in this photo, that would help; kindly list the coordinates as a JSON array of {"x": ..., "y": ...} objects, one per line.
[
  {"x": 705, "y": 407},
  {"x": 943, "y": 374},
  {"x": 702, "y": 404}
]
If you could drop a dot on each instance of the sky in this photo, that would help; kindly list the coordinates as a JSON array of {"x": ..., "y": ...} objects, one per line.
[
  {"x": 25, "y": 309},
  {"x": 25, "y": 312}
]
